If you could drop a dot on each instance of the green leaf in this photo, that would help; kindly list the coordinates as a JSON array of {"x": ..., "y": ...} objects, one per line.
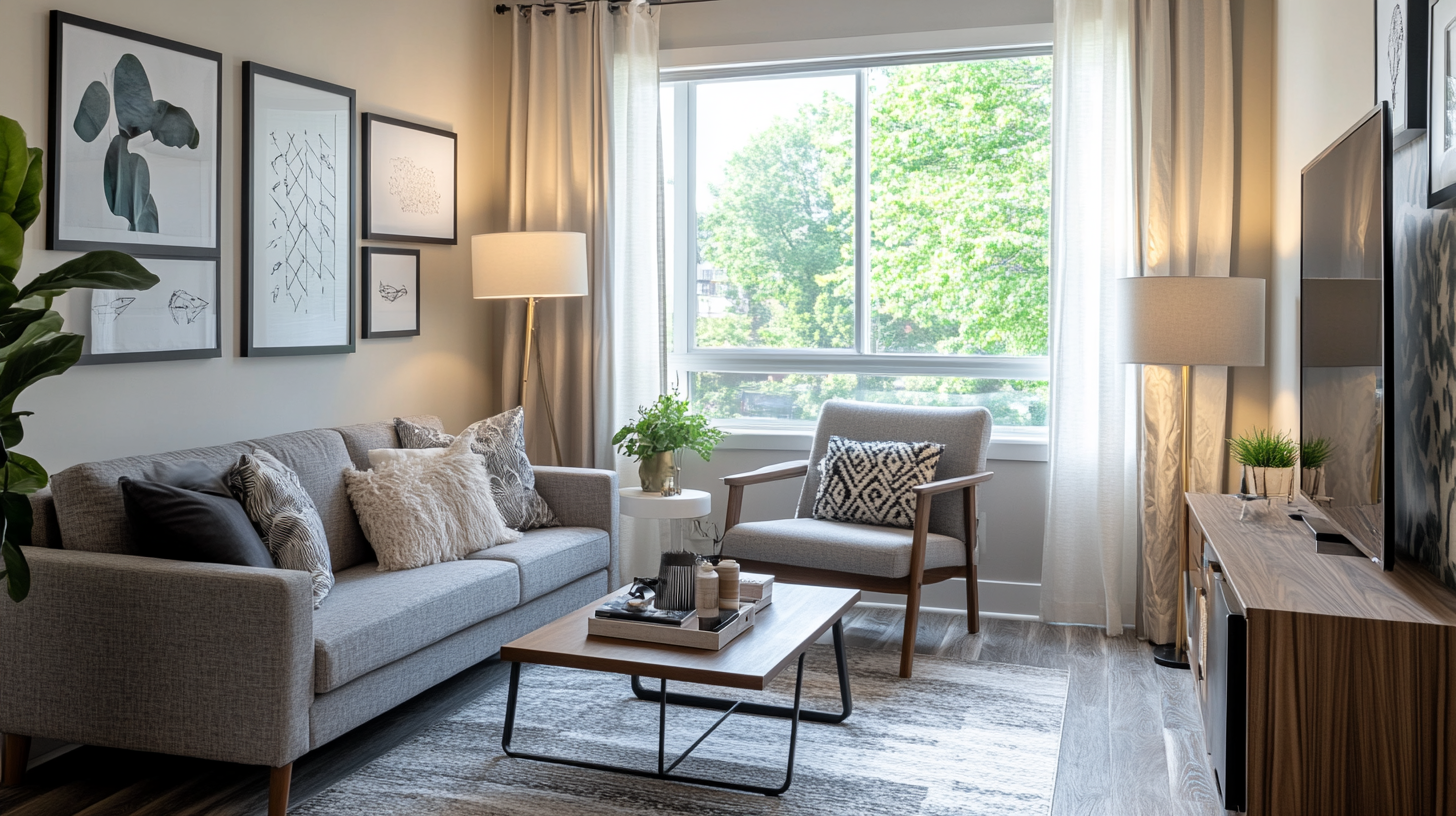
[
  {"x": 146, "y": 220},
  {"x": 94, "y": 112},
  {"x": 27, "y": 206},
  {"x": 22, "y": 474},
  {"x": 17, "y": 572},
  {"x": 173, "y": 126},
  {"x": 11, "y": 431},
  {"x": 8, "y": 293},
  {"x": 46, "y": 358},
  {"x": 12, "y": 242},
  {"x": 14, "y": 162},
  {"x": 19, "y": 518},
  {"x": 22, "y": 327},
  {"x": 134, "y": 110},
  {"x": 104, "y": 269},
  {"x": 127, "y": 182}
]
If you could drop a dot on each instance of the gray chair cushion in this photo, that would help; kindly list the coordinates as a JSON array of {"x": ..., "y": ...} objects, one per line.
[
  {"x": 965, "y": 432},
  {"x": 552, "y": 557},
  {"x": 860, "y": 549},
  {"x": 372, "y": 618},
  {"x": 360, "y": 439},
  {"x": 89, "y": 509},
  {"x": 319, "y": 458}
]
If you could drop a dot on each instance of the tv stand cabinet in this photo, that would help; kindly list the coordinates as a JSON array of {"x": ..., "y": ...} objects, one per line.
[{"x": 1328, "y": 686}]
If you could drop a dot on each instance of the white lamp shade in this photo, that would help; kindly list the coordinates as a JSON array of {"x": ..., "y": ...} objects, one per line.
[
  {"x": 1189, "y": 320},
  {"x": 529, "y": 264}
]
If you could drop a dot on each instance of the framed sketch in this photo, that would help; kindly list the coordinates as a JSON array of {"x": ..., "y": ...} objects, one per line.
[
  {"x": 391, "y": 292},
  {"x": 1400, "y": 65},
  {"x": 298, "y": 215},
  {"x": 175, "y": 320},
  {"x": 409, "y": 182},
  {"x": 134, "y": 142},
  {"x": 1441, "y": 106}
]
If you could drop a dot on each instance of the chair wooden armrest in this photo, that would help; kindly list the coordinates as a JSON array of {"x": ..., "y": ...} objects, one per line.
[
  {"x": 947, "y": 485},
  {"x": 771, "y": 473}
]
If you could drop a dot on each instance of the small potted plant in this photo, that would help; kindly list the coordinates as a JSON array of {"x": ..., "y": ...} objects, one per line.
[
  {"x": 1313, "y": 454},
  {"x": 1268, "y": 461},
  {"x": 658, "y": 432}
]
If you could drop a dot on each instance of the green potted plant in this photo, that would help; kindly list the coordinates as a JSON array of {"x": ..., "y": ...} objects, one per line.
[
  {"x": 1313, "y": 454},
  {"x": 659, "y": 431},
  {"x": 32, "y": 345},
  {"x": 1268, "y": 461}
]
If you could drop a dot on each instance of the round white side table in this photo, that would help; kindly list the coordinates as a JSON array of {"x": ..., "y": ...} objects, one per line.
[{"x": 677, "y": 509}]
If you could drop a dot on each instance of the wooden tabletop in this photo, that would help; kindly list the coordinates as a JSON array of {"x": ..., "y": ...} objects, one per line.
[
  {"x": 798, "y": 616},
  {"x": 1271, "y": 563}
]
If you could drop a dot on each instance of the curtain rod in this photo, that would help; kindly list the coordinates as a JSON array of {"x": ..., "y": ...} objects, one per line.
[{"x": 578, "y": 5}]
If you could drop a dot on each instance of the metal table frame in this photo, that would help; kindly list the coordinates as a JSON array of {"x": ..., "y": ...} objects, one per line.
[{"x": 662, "y": 697}]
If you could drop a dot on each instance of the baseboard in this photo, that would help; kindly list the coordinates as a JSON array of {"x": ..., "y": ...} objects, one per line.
[{"x": 999, "y": 599}]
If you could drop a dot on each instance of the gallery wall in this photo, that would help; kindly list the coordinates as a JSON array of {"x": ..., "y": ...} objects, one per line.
[{"x": 425, "y": 62}]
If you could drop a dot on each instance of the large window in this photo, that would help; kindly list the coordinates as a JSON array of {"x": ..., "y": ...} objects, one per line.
[{"x": 880, "y": 233}]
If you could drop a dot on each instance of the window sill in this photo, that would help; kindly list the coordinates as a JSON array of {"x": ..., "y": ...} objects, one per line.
[{"x": 1007, "y": 443}]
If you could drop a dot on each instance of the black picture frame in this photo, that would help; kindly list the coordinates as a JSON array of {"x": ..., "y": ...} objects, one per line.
[
  {"x": 373, "y": 197},
  {"x": 256, "y": 267},
  {"x": 167, "y": 288},
  {"x": 1400, "y": 35},
  {"x": 369, "y": 283},
  {"x": 68, "y": 234}
]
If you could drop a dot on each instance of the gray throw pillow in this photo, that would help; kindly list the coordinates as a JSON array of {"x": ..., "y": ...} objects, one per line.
[
  {"x": 871, "y": 482},
  {"x": 501, "y": 441},
  {"x": 284, "y": 516}
]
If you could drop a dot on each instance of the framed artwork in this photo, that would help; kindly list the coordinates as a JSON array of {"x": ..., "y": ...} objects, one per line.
[
  {"x": 391, "y": 292},
  {"x": 135, "y": 141},
  {"x": 1441, "y": 106},
  {"x": 175, "y": 320},
  {"x": 1400, "y": 65},
  {"x": 409, "y": 182},
  {"x": 298, "y": 215}
]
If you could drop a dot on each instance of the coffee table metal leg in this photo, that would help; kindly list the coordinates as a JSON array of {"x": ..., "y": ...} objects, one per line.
[{"x": 846, "y": 700}]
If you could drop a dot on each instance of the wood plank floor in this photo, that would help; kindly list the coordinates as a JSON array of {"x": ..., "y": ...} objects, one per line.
[{"x": 1131, "y": 742}]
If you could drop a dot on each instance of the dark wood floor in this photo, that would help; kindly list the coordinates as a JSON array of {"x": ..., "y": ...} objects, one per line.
[{"x": 1131, "y": 742}]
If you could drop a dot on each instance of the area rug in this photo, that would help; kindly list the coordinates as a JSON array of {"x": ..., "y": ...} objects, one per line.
[{"x": 964, "y": 738}]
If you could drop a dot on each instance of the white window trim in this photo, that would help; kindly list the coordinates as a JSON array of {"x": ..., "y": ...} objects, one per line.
[{"x": 832, "y": 56}]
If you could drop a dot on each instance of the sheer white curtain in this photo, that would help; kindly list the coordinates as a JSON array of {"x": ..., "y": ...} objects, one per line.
[{"x": 1089, "y": 558}]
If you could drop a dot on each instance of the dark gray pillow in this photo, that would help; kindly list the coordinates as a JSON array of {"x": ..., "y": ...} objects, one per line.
[
  {"x": 871, "y": 482},
  {"x": 189, "y": 525},
  {"x": 501, "y": 441}
]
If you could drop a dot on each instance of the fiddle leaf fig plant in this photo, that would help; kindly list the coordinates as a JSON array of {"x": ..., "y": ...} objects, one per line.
[
  {"x": 667, "y": 425},
  {"x": 32, "y": 345}
]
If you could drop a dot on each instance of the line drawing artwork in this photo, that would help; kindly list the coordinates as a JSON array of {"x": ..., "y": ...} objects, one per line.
[
  {"x": 414, "y": 186},
  {"x": 185, "y": 306},
  {"x": 302, "y": 212},
  {"x": 392, "y": 293},
  {"x": 107, "y": 313}
]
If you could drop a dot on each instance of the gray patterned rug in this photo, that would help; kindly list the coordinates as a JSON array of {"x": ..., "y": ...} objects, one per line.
[{"x": 960, "y": 738}]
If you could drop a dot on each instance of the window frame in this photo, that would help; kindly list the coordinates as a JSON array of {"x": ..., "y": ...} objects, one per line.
[{"x": 685, "y": 357}]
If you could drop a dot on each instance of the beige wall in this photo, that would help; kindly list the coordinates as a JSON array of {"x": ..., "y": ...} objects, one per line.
[{"x": 422, "y": 61}]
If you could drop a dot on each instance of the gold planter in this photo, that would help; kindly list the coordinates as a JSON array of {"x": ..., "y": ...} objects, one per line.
[
  {"x": 1270, "y": 483},
  {"x": 655, "y": 470}
]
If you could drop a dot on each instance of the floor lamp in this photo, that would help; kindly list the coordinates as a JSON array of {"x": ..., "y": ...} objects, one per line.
[
  {"x": 1188, "y": 321},
  {"x": 530, "y": 265}
]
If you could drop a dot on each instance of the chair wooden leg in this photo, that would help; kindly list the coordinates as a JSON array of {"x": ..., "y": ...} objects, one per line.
[
  {"x": 973, "y": 602},
  {"x": 973, "y": 589},
  {"x": 279, "y": 780},
  {"x": 912, "y": 622},
  {"x": 17, "y": 756}
]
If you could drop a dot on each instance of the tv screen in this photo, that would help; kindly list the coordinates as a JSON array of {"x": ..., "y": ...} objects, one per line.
[{"x": 1345, "y": 353}]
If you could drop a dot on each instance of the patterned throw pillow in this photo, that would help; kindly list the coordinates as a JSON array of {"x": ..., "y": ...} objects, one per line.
[
  {"x": 870, "y": 482},
  {"x": 501, "y": 441},
  {"x": 285, "y": 517}
]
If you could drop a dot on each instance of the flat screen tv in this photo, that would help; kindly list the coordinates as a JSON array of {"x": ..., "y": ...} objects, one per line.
[{"x": 1346, "y": 349}]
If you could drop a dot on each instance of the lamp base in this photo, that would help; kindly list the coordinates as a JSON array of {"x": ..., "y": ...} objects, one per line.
[{"x": 1170, "y": 656}]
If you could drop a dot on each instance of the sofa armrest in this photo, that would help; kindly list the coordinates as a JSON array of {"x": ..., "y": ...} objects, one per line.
[
  {"x": 585, "y": 497},
  {"x": 201, "y": 660}
]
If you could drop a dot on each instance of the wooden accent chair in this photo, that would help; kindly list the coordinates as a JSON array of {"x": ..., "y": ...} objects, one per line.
[{"x": 942, "y": 544}]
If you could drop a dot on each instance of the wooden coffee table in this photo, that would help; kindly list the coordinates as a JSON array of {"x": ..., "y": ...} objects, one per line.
[{"x": 785, "y": 630}]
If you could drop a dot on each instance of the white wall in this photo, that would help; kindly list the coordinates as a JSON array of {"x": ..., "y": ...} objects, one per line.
[{"x": 423, "y": 61}]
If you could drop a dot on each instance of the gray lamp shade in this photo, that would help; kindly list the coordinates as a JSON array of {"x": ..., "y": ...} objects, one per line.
[
  {"x": 1340, "y": 322},
  {"x": 1182, "y": 320},
  {"x": 529, "y": 264}
]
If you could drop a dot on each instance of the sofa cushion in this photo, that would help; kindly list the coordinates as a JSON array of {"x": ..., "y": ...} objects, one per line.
[
  {"x": 374, "y": 618},
  {"x": 319, "y": 458},
  {"x": 552, "y": 557},
  {"x": 360, "y": 439},
  {"x": 89, "y": 510},
  {"x": 860, "y": 549}
]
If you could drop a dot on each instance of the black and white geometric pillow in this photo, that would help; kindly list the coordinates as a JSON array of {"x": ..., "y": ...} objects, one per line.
[
  {"x": 501, "y": 441},
  {"x": 285, "y": 517},
  {"x": 870, "y": 482}
]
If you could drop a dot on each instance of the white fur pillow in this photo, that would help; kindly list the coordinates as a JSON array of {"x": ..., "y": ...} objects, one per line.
[
  {"x": 424, "y": 510},
  {"x": 379, "y": 456}
]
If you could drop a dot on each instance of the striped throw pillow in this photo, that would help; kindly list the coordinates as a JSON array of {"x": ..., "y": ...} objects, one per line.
[{"x": 285, "y": 517}]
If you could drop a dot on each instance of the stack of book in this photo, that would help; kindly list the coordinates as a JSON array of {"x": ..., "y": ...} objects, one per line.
[
  {"x": 756, "y": 587},
  {"x": 617, "y": 619}
]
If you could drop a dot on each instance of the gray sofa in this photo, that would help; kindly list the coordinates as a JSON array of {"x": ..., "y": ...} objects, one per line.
[{"x": 233, "y": 663}]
